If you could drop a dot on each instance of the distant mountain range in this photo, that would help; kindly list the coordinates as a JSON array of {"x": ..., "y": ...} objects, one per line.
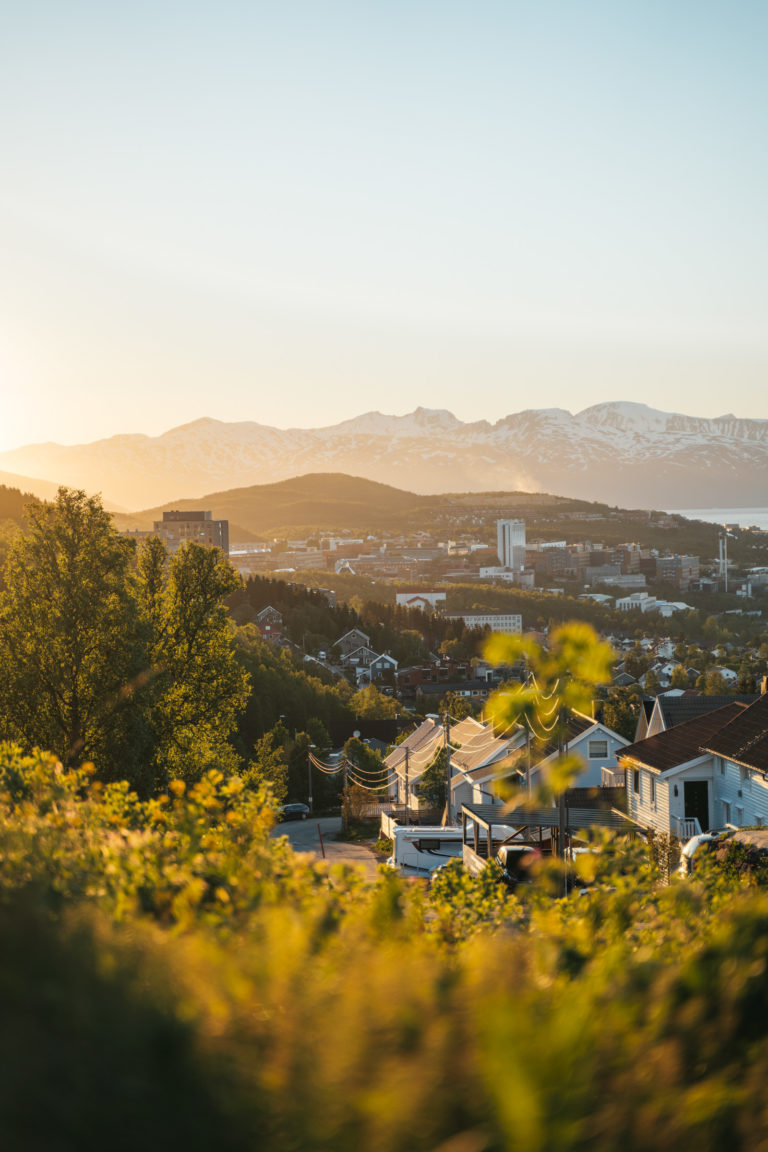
[{"x": 622, "y": 453}]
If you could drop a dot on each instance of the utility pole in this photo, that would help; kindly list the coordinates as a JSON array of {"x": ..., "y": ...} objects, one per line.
[
  {"x": 309, "y": 775},
  {"x": 561, "y": 797},
  {"x": 447, "y": 730},
  {"x": 345, "y": 797},
  {"x": 528, "y": 740},
  {"x": 407, "y": 750}
]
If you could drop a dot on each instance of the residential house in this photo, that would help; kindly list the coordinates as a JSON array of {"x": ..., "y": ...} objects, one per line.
[
  {"x": 594, "y": 743},
  {"x": 701, "y": 773},
  {"x": 419, "y": 598},
  {"x": 677, "y": 706},
  {"x": 351, "y": 640},
  {"x": 476, "y": 690},
  {"x": 482, "y": 762},
  {"x": 269, "y": 615}
]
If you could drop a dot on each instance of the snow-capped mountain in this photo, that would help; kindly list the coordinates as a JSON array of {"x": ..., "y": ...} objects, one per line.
[{"x": 623, "y": 453}]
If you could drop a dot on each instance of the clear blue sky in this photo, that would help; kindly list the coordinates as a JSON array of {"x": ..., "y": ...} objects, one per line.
[{"x": 298, "y": 211}]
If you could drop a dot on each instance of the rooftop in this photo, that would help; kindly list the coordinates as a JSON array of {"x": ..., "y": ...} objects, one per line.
[{"x": 681, "y": 743}]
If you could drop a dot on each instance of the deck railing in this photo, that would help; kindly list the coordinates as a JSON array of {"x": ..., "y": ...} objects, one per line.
[{"x": 684, "y": 827}]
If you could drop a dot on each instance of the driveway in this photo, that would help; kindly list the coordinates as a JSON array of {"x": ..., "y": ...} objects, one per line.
[{"x": 304, "y": 837}]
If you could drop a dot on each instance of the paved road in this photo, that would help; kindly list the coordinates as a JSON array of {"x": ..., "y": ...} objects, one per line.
[{"x": 304, "y": 837}]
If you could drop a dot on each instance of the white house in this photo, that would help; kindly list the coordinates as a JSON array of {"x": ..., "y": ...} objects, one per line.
[
  {"x": 383, "y": 663},
  {"x": 702, "y": 773},
  {"x": 594, "y": 743},
  {"x": 426, "y": 601}
]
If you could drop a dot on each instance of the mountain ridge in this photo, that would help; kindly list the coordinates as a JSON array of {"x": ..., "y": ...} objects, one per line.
[{"x": 622, "y": 451}]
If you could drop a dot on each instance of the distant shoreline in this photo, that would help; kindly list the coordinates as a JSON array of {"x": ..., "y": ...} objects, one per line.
[{"x": 744, "y": 517}]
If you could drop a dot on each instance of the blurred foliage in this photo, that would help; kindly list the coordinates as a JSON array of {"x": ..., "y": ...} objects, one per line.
[{"x": 171, "y": 973}]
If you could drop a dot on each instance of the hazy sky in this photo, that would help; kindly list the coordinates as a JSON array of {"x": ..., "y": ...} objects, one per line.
[{"x": 294, "y": 212}]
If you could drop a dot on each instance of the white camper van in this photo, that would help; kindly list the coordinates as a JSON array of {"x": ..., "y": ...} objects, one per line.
[{"x": 423, "y": 849}]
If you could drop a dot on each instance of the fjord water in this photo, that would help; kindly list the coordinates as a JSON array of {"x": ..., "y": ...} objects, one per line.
[{"x": 744, "y": 517}]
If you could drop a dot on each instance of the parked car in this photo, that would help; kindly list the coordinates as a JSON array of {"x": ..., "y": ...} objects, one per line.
[
  {"x": 513, "y": 859},
  {"x": 705, "y": 841},
  {"x": 294, "y": 812}
]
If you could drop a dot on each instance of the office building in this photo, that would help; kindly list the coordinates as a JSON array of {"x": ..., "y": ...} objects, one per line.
[{"x": 510, "y": 546}]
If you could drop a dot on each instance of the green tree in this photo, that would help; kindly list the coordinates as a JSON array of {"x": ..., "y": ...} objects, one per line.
[
  {"x": 621, "y": 710},
  {"x": 679, "y": 677},
  {"x": 370, "y": 704},
  {"x": 652, "y": 682},
  {"x": 432, "y": 786},
  {"x": 714, "y": 683},
  {"x": 270, "y": 764},
  {"x": 129, "y": 667},
  {"x": 459, "y": 707},
  {"x": 747, "y": 681},
  {"x": 71, "y": 652},
  {"x": 198, "y": 687}
]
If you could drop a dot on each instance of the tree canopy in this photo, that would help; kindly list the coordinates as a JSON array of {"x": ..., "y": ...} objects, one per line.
[{"x": 110, "y": 658}]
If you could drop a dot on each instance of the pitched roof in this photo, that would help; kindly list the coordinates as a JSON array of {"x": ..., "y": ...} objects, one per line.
[
  {"x": 422, "y": 744},
  {"x": 678, "y": 709},
  {"x": 681, "y": 743},
  {"x": 576, "y": 725},
  {"x": 745, "y": 738}
]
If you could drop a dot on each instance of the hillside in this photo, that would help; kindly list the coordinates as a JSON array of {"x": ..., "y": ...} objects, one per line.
[
  {"x": 333, "y": 503},
  {"x": 320, "y": 501},
  {"x": 29, "y": 486},
  {"x": 623, "y": 452}
]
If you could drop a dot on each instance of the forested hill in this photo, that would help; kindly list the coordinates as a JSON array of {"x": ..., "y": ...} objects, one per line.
[
  {"x": 12, "y": 503},
  {"x": 320, "y": 500}
]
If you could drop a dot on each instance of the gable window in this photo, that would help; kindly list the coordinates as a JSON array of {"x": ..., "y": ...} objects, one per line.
[
  {"x": 722, "y": 767},
  {"x": 598, "y": 749}
]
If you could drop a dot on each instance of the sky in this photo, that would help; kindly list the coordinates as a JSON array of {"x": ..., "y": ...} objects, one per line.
[{"x": 295, "y": 212}]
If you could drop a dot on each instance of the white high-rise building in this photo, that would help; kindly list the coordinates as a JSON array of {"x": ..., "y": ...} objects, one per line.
[{"x": 510, "y": 539}]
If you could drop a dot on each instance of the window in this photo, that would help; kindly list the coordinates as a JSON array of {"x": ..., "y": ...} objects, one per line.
[
  {"x": 722, "y": 767},
  {"x": 636, "y": 781},
  {"x": 726, "y": 812},
  {"x": 739, "y": 816},
  {"x": 598, "y": 749},
  {"x": 653, "y": 791},
  {"x": 760, "y": 822}
]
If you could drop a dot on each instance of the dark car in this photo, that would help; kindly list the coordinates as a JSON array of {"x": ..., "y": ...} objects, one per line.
[{"x": 294, "y": 812}]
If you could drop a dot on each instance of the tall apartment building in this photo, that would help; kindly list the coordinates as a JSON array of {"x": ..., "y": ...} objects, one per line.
[
  {"x": 510, "y": 543},
  {"x": 176, "y": 527}
]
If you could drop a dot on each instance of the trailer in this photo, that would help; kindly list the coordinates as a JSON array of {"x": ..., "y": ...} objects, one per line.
[{"x": 424, "y": 848}]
